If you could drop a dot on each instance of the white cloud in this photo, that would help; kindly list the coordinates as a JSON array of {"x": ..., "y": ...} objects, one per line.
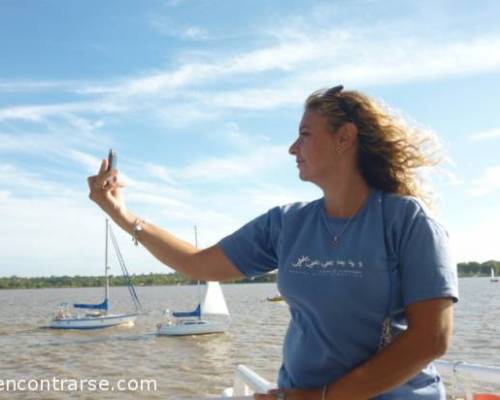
[
  {"x": 281, "y": 57},
  {"x": 255, "y": 99},
  {"x": 55, "y": 147},
  {"x": 361, "y": 61},
  {"x": 266, "y": 196},
  {"x": 21, "y": 143},
  {"x": 310, "y": 63},
  {"x": 196, "y": 33},
  {"x": 485, "y": 135},
  {"x": 185, "y": 114},
  {"x": 232, "y": 134},
  {"x": 226, "y": 169},
  {"x": 477, "y": 240},
  {"x": 40, "y": 112},
  {"x": 160, "y": 172},
  {"x": 16, "y": 179},
  {"x": 360, "y": 58},
  {"x": 83, "y": 124},
  {"x": 304, "y": 61},
  {"x": 35, "y": 86},
  {"x": 440, "y": 176},
  {"x": 487, "y": 183},
  {"x": 89, "y": 161}
]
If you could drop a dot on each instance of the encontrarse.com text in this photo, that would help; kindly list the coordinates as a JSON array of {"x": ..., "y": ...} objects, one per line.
[{"x": 56, "y": 384}]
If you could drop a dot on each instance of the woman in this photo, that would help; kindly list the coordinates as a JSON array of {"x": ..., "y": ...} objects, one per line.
[{"x": 365, "y": 270}]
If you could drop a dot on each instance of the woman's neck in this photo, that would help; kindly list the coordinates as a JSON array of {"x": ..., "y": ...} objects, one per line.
[{"x": 345, "y": 198}]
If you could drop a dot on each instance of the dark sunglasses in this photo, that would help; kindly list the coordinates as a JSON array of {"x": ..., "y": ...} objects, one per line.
[
  {"x": 333, "y": 91},
  {"x": 349, "y": 111}
]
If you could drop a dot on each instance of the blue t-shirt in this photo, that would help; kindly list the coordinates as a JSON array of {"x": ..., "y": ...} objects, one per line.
[{"x": 391, "y": 254}]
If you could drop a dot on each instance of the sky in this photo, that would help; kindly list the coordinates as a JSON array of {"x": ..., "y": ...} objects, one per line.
[{"x": 201, "y": 101}]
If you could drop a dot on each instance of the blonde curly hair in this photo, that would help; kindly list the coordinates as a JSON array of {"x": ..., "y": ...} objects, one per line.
[{"x": 390, "y": 150}]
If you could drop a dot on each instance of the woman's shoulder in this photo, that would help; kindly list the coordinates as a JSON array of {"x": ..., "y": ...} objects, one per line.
[
  {"x": 408, "y": 220},
  {"x": 409, "y": 206},
  {"x": 300, "y": 207},
  {"x": 406, "y": 211}
]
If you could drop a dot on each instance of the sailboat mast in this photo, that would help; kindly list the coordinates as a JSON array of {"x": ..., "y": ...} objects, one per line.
[
  {"x": 106, "y": 289},
  {"x": 198, "y": 284}
]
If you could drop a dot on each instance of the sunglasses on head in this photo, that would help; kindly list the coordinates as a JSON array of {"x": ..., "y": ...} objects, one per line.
[
  {"x": 333, "y": 91},
  {"x": 349, "y": 111}
]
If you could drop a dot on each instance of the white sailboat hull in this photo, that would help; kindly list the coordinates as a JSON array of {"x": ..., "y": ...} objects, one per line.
[
  {"x": 191, "y": 327},
  {"x": 192, "y": 323},
  {"x": 83, "y": 322},
  {"x": 96, "y": 317},
  {"x": 196, "y": 322}
]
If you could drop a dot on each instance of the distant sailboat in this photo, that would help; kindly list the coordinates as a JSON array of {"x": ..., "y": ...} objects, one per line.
[
  {"x": 276, "y": 297},
  {"x": 98, "y": 316},
  {"x": 196, "y": 322},
  {"x": 493, "y": 278},
  {"x": 201, "y": 320}
]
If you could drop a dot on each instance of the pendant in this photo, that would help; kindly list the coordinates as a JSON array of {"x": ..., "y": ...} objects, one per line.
[{"x": 336, "y": 240}]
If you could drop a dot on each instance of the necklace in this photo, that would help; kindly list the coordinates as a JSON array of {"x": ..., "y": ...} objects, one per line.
[{"x": 336, "y": 236}]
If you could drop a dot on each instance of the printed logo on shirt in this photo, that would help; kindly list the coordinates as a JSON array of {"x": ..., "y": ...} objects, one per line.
[{"x": 338, "y": 267}]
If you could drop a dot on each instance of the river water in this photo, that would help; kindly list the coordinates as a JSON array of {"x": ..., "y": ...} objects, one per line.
[{"x": 185, "y": 366}]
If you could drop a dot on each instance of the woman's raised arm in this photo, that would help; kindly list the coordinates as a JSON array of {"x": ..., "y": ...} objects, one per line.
[{"x": 206, "y": 264}]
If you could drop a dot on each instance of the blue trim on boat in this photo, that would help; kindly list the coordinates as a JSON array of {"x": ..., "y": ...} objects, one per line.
[
  {"x": 102, "y": 306},
  {"x": 195, "y": 313}
]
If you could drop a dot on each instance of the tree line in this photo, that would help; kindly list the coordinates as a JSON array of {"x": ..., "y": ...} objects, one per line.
[
  {"x": 175, "y": 278},
  {"x": 465, "y": 269},
  {"x": 473, "y": 268}
]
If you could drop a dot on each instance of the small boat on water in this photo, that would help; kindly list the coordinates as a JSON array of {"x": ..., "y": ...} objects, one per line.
[
  {"x": 199, "y": 322},
  {"x": 493, "y": 278},
  {"x": 277, "y": 297},
  {"x": 97, "y": 315},
  {"x": 202, "y": 319}
]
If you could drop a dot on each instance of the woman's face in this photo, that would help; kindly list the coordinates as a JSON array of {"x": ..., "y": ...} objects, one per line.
[{"x": 315, "y": 148}]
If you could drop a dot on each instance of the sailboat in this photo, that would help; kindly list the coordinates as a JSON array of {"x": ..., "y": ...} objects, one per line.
[
  {"x": 276, "y": 298},
  {"x": 97, "y": 315},
  {"x": 202, "y": 319},
  {"x": 493, "y": 278}
]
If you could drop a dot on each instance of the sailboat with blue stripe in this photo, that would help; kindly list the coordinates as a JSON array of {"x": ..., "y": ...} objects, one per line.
[
  {"x": 96, "y": 316},
  {"x": 210, "y": 316}
]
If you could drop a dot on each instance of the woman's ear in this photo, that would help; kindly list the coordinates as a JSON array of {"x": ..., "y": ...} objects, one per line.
[{"x": 347, "y": 135}]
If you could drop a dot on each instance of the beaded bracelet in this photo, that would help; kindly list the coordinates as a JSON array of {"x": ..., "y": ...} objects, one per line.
[{"x": 138, "y": 227}]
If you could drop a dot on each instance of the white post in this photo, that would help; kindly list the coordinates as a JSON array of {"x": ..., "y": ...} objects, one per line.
[{"x": 106, "y": 266}]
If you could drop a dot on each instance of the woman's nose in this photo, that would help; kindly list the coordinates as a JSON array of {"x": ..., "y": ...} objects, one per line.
[{"x": 293, "y": 148}]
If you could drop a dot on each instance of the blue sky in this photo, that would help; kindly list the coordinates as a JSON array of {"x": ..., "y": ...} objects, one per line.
[{"x": 201, "y": 100}]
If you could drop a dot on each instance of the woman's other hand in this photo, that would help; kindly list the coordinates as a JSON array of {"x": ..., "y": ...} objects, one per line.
[{"x": 106, "y": 190}]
